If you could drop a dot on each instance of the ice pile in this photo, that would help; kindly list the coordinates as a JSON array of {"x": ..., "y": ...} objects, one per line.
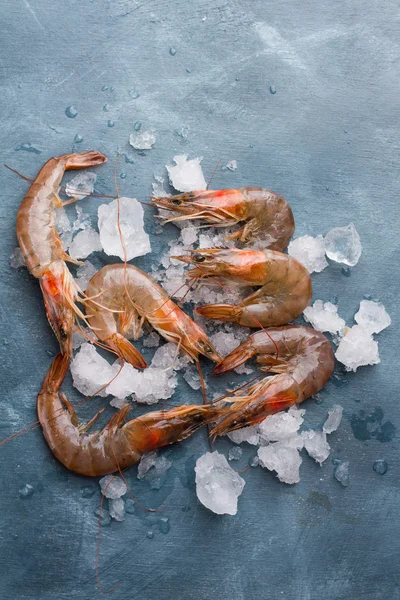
[
  {"x": 186, "y": 175},
  {"x": 84, "y": 243},
  {"x": 90, "y": 372},
  {"x": 16, "y": 259},
  {"x": 137, "y": 241},
  {"x": 218, "y": 486},
  {"x": 246, "y": 434},
  {"x": 343, "y": 245},
  {"x": 324, "y": 317},
  {"x": 81, "y": 185},
  {"x": 372, "y": 316},
  {"x": 310, "y": 251},
  {"x": 144, "y": 140}
]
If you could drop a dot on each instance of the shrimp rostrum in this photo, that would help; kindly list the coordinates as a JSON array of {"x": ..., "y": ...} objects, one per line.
[
  {"x": 41, "y": 245},
  {"x": 302, "y": 360},
  {"x": 285, "y": 283},
  {"x": 127, "y": 298},
  {"x": 118, "y": 445},
  {"x": 265, "y": 216}
]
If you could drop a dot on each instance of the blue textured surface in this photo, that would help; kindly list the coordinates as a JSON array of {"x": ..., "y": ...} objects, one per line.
[{"x": 327, "y": 140}]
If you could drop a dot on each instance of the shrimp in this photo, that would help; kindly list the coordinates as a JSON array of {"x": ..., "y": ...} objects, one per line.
[
  {"x": 117, "y": 446},
  {"x": 302, "y": 359},
  {"x": 267, "y": 216},
  {"x": 41, "y": 245},
  {"x": 137, "y": 297},
  {"x": 286, "y": 285}
]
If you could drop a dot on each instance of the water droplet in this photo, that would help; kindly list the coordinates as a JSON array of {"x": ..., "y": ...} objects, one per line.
[
  {"x": 106, "y": 107},
  {"x": 172, "y": 51},
  {"x": 104, "y": 88},
  {"x": 188, "y": 70},
  {"x": 71, "y": 112},
  {"x": 129, "y": 160},
  {"x": 346, "y": 271},
  {"x": 111, "y": 123},
  {"x": 123, "y": 175},
  {"x": 134, "y": 94},
  {"x": 28, "y": 148},
  {"x": 380, "y": 467},
  {"x": 49, "y": 353},
  {"x": 78, "y": 139},
  {"x": 251, "y": 145},
  {"x": 88, "y": 491},
  {"x": 272, "y": 89},
  {"x": 336, "y": 461},
  {"x": 164, "y": 525},
  {"x": 112, "y": 89},
  {"x": 26, "y": 491},
  {"x": 137, "y": 125},
  {"x": 150, "y": 535}
]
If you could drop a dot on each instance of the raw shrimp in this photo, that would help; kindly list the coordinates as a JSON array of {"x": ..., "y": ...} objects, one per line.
[
  {"x": 267, "y": 217},
  {"x": 286, "y": 285},
  {"x": 41, "y": 245},
  {"x": 117, "y": 446},
  {"x": 138, "y": 297},
  {"x": 303, "y": 360}
]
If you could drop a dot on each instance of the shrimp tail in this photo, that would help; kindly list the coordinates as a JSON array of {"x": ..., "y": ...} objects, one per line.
[
  {"x": 237, "y": 357},
  {"x": 84, "y": 160},
  {"x": 272, "y": 396},
  {"x": 161, "y": 428},
  {"x": 221, "y": 312},
  {"x": 126, "y": 351}
]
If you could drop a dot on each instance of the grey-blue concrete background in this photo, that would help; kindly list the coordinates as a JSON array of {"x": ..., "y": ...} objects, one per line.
[{"x": 327, "y": 140}]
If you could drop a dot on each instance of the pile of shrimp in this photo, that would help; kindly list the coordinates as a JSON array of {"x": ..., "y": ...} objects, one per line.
[{"x": 120, "y": 298}]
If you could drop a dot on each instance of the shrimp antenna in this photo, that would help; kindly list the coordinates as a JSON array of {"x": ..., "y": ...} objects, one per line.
[
  {"x": 213, "y": 173},
  {"x": 18, "y": 173}
]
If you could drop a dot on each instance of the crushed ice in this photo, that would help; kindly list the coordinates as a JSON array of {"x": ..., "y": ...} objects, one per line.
[
  {"x": 218, "y": 486},
  {"x": 186, "y": 175},
  {"x": 310, "y": 251}
]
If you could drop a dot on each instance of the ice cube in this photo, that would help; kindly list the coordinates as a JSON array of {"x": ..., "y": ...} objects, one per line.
[
  {"x": 342, "y": 473},
  {"x": 112, "y": 486},
  {"x": 357, "y": 349},
  {"x": 324, "y": 317},
  {"x": 283, "y": 459},
  {"x": 79, "y": 338},
  {"x": 310, "y": 251},
  {"x": 117, "y": 509},
  {"x": 147, "y": 387},
  {"x": 82, "y": 220},
  {"x": 154, "y": 469},
  {"x": 281, "y": 425},
  {"x": 218, "y": 486},
  {"x": 84, "y": 274},
  {"x": 81, "y": 185},
  {"x": 152, "y": 340},
  {"x": 63, "y": 227},
  {"x": 245, "y": 434},
  {"x": 186, "y": 175},
  {"x": 343, "y": 245},
  {"x": 316, "y": 444},
  {"x": 192, "y": 377},
  {"x": 137, "y": 241},
  {"x": 158, "y": 190},
  {"x": 90, "y": 371},
  {"x": 167, "y": 357},
  {"x": 372, "y": 316},
  {"x": 84, "y": 243},
  {"x": 189, "y": 236},
  {"x": 16, "y": 259},
  {"x": 143, "y": 140},
  {"x": 232, "y": 165},
  {"x": 334, "y": 418},
  {"x": 235, "y": 453},
  {"x": 117, "y": 403},
  {"x": 224, "y": 343}
]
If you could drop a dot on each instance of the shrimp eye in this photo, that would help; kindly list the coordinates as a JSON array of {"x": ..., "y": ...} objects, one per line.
[
  {"x": 199, "y": 258},
  {"x": 176, "y": 201},
  {"x": 207, "y": 348},
  {"x": 63, "y": 334}
]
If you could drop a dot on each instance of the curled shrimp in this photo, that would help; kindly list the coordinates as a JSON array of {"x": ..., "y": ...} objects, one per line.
[
  {"x": 41, "y": 245},
  {"x": 302, "y": 359},
  {"x": 285, "y": 283},
  {"x": 137, "y": 298},
  {"x": 267, "y": 217},
  {"x": 117, "y": 446}
]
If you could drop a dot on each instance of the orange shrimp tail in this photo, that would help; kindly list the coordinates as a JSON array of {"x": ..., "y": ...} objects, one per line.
[
  {"x": 221, "y": 312},
  {"x": 237, "y": 357},
  {"x": 164, "y": 427},
  {"x": 126, "y": 351},
  {"x": 252, "y": 410},
  {"x": 92, "y": 158}
]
